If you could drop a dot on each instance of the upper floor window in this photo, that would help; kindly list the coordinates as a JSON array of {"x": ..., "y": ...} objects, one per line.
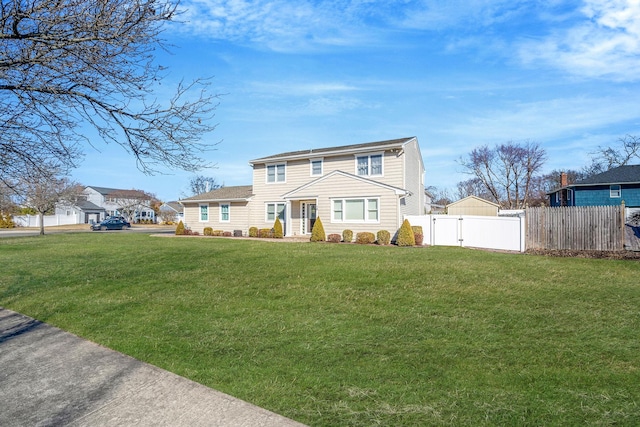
[
  {"x": 276, "y": 173},
  {"x": 614, "y": 190},
  {"x": 316, "y": 167},
  {"x": 224, "y": 212},
  {"x": 370, "y": 165}
]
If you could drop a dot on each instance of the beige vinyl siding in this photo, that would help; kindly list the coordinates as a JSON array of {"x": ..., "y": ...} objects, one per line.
[
  {"x": 473, "y": 206},
  {"x": 341, "y": 187},
  {"x": 238, "y": 215},
  {"x": 413, "y": 179}
]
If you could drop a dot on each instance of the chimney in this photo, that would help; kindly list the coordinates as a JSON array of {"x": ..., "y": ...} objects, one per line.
[{"x": 563, "y": 179}]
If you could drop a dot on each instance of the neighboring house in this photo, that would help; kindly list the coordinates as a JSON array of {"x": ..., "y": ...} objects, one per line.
[
  {"x": 604, "y": 189},
  {"x": 173, "y": 210},
  {"x": 133, "y": 204},
  {"x": 84, "y": 211},
  {"x": 361, "y": 187},
  {"x": 473, "y": 205}
]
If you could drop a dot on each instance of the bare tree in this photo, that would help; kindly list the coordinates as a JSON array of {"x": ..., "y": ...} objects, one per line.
[
  {"x": 131, "y": 203},
  {"x": 202, "y": 184},
  {"x": 506, "y": 172},
  {"x": 69, "y": 64},
  {"x": 43, "y": 190},
  {"x": 626, "y": 152}
]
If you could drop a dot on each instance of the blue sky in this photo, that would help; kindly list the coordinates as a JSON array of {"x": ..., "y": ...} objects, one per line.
[{"x": 455, "y": 73}]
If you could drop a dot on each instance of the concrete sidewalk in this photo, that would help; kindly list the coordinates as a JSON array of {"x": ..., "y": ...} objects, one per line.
[{"x": 49, "y": 377}]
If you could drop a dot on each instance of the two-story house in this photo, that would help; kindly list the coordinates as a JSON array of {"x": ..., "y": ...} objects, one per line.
[
  {"x": 361, "y": 187},
  {"x": 96, "y": 203}
]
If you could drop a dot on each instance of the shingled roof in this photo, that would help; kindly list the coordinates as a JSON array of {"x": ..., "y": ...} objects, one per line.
[
  {"x": 391, "y": 143},
  {"x": 629, "y": 174},
  {"x": 224, "y": 194}
]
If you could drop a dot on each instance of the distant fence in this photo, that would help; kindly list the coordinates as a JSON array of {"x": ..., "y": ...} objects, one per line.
[
  {"x": 49, "y": 220},
  {"x": 599, "y": 228},
  {"x": 488, "y": 232}
]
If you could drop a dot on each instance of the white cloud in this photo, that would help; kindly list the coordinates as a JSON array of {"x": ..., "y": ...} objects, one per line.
[{"x": 604, "y": 44}]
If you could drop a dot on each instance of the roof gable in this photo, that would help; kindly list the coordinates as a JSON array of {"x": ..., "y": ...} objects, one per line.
[
  {"x": 307, "y": 186},
  {"x": 319, "y": 152},
  {"x": 475, "y": 199}
]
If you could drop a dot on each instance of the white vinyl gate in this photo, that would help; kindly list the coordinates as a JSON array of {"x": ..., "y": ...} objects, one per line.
[{"x": 488, "y": 232}]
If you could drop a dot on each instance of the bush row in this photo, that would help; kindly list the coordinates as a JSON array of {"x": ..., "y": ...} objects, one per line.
[{"x": 407, "y": 235}]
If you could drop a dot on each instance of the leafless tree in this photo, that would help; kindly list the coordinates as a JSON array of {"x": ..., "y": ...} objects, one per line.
[
  {"x": 202, "y": 184},
  {"x": 506, "y": 172},
  {"x": 625, "y": 152},
  {"x": 131, "y": 202},
  {"x": 43, "y": 190},
  {"x": 68, "y": 65}
]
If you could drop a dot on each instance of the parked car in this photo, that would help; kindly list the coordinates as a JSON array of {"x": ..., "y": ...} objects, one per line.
[{"x": 111, "y": 224}]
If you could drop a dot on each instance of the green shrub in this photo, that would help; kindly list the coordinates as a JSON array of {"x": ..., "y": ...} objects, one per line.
[
  {"x": 217, "y": 232},
  {"x": 418, "y": 235},
  {"x": 6, "y": 221},
  {"x": 333, "y": 238},
  {"x": 317, "y": 233},
  {"x": 265, "y": 232},
  {"x": 277, "y": 229},
  {"x": 208, "y": 231},
  {"x": 405, "y": 235},
  {"x": 180, "y": 229},
  {"x": 253, "y": 231},
  {"x": 365, "y": 238},
  {"x": 347, "y": 236},
  {"x": 383, "y": 237}
]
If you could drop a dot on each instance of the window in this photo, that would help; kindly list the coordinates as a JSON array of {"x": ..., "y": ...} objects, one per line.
[
  {"x": 316, "y": 167},
  {"x": 369, "y": 165},
  {"x": 204, "y": 213},
  {"x": 569, "y": 195},
  {"x": 614, "y": 191},
  {"x": 274, "y": 209},
  {"x": 356, "y": 210},
  {"x": 276, "y": 173},
  {"x": 224, "y": 212}
]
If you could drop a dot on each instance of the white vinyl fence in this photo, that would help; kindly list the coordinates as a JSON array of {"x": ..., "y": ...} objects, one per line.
[
  {"x": 488, "y": 232},
  {"x": 49, "y": 220}
]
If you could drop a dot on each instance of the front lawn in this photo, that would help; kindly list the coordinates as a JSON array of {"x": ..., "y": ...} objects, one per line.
[{"x": 350, "y": 335}]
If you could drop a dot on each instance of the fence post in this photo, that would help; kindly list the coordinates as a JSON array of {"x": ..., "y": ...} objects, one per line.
[{"x": 622, "y": 224}]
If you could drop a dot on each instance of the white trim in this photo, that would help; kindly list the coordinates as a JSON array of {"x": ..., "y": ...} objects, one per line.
[
  {"x": 615, "y": 194},
  {"x": 368, "y": 156},
  {"x": 343, "y": 204},
  {"x": 200, "y": 206},
  {"x": 266, "y": 211},
  {"x": 316, "y": 159},
  {"x": 220, "y": 205},
  {"x": 275, "y": 166}
]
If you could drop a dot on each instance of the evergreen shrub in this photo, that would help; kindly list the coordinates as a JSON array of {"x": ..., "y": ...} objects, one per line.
[
  {"x": 365, "y": 238},
  {"x": 208, "y": 231},
  {"x": 405, "y": 235},
  {"x": 317, "y": 233},
  {"x": 253, "y": 231},
  {"x": 334, "y": 238},
  {"x": 383, "y": 237},
  {"x": 347, "y": 236},
  {"x": 180, "y": 229},
  {"x": 418, "y": 235},
  {"x": 277, "y": 229},
  {"x": 265, "y": 232}
]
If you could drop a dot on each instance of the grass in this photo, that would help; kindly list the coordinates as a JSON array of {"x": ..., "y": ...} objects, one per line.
[{"x": 351, "y": 335}]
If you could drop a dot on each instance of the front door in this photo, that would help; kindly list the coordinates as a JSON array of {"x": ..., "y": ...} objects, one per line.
[{"x": 309, "y": 214}]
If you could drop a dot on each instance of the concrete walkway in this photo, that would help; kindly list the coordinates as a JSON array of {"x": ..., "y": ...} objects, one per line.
[{"x": 49, "y": 377}]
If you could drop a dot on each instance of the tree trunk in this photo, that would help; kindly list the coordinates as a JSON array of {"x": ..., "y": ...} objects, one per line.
[{"x": 41, "y": 224}]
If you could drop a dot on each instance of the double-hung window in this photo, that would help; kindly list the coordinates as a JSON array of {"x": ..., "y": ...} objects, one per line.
[
  {"x": 204, "y": 213},
  {"x": 316, "y": 167},
  {"x": 369, "y": 165},
  {"x": 356, "y": 210},
  {"x": 615, "y": 191},
  {"x": 275, "y": 210},
  {"x": 225, "y": 209},
  {"x": 276, "y": 173}
]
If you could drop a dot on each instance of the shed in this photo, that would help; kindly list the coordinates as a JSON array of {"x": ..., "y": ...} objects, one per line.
[{"x": 473, "y": 205}]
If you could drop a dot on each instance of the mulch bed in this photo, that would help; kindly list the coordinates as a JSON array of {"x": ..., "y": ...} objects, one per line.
[{"x": 631, "y": 255}]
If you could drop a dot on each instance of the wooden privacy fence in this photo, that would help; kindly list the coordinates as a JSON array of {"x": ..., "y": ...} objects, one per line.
[{"x": 598, "y": 228}]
